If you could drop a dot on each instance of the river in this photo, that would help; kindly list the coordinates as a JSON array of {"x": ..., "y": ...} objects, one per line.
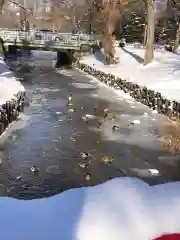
[{"x": 51, "y": 135}]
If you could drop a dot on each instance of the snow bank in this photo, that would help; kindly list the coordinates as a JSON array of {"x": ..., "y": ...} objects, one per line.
[
  {"x": 122, "y": 208},
  {"x": 9, "y": 86},
  {"x": 161, "y": 76}
]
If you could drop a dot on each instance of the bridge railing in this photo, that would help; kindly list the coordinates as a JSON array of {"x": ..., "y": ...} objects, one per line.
[{"x": 47, "y": 36}]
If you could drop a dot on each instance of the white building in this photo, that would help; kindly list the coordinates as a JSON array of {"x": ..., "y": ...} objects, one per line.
[{"x": 40, "y": 5}]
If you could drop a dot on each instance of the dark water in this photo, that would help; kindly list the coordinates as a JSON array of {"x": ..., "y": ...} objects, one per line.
[{"x": 49, "y": 136}]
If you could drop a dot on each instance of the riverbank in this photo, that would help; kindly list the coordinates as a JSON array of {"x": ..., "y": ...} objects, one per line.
[
  {"x": 12, "y": 94},
  {"x": 155, "y": 85}
]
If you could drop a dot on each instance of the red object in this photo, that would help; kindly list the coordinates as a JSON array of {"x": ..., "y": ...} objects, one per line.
[{"x": 173, "y": 236}]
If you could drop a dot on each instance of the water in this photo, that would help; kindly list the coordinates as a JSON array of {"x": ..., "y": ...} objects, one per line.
[{"x": 52, "y": 138}]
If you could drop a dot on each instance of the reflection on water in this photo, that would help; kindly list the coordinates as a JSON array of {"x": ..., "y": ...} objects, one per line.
[{"x": 54, "y": 137}]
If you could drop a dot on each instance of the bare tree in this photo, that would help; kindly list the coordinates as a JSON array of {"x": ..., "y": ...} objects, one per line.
[
  {"x": 1, "y": 5},
  {"x": 9, "y": 17},
  {"x": 108, "y": 14},
  {"x": 89, "y": 17},
  {"x": 61, "y": 16}
]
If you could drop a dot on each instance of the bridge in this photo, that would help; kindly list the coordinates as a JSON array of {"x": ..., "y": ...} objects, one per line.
[
  {"x": 47, "y": 39},
  {"x": 65, "y": 44}
]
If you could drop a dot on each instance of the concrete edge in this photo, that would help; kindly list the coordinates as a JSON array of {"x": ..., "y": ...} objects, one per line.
[
  {"x": 10, "y": 110},
  {"x": 154, "y": 100}
]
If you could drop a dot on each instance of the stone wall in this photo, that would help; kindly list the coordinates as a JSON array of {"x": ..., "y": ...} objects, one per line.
[
  {"x": 148, "y": 97},
  {"x": 10, "y": 110}
]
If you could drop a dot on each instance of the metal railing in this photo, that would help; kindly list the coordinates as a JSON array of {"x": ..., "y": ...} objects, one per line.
[{"x": 8, "y": 35}]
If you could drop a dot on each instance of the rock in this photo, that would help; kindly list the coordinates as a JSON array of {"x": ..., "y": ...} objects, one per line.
[{"x": 149, "y": 97}]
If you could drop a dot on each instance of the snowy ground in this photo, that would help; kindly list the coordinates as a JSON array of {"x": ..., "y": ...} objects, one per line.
[
  {"x": 9, "y": 86},
  {"x": 162, "y": 75},
  {"x": 122, "y": 208}
]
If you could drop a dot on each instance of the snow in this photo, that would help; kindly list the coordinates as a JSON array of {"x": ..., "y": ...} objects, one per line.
[
  {"x": 162, "y": 75},
  {"x": 9, "y": 86},
  {"x": 122, "y": 208}
]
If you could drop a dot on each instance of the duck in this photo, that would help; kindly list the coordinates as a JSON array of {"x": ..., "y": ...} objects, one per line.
[
  {"x": 114, "y": 128},
  {"x": 69, "y": 119},
  {"x": 106, "y": 110},
  {"x": 35, "y": 169},
  {"x": 84, "y": 118},
  {"x": 84, "y": 155},
  {"x": 70, "y": 100},
  {"x": 70, "y": 97},
  {"x": 82, "y": 165},
  {"x": 71, "y": 110},
  {"x": 88, "y": 177},
  {"x": 107, "y": 159}
]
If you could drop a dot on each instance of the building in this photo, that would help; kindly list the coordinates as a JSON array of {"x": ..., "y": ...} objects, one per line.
[
  {"x": 25, "y": 3},
  {"x": 35, "y": 5},
  {"x": 41, "y": 5}
]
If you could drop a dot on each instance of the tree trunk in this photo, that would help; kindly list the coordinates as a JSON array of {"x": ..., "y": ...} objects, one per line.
[
  {"x": 149, "y": 53},
  {"x": 23, "y": 19},
  {"x": 73, "y": 18},
  {"x": 109, "y": 50},
  {"x": 1, "y": 5},
  {"x": 145, "y": 35},
  {"x": 177, "y": 39},
  {"x": 110, "y": 18}
]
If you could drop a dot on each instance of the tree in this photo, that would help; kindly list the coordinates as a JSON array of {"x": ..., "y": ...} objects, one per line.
[
  {"x": 155, "y": 9},
  {"x": 150, "y": 31},
  {"x": 23, "y": 19},
  {"x": 1, "y": 5},
  {"x": 108, "y": 13},
  {"x": 66, "y": 14},
  {"x": 177, "y": 39},
  {"x": 134, "y": 27},
  {"x": 174, "y": 9}
]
